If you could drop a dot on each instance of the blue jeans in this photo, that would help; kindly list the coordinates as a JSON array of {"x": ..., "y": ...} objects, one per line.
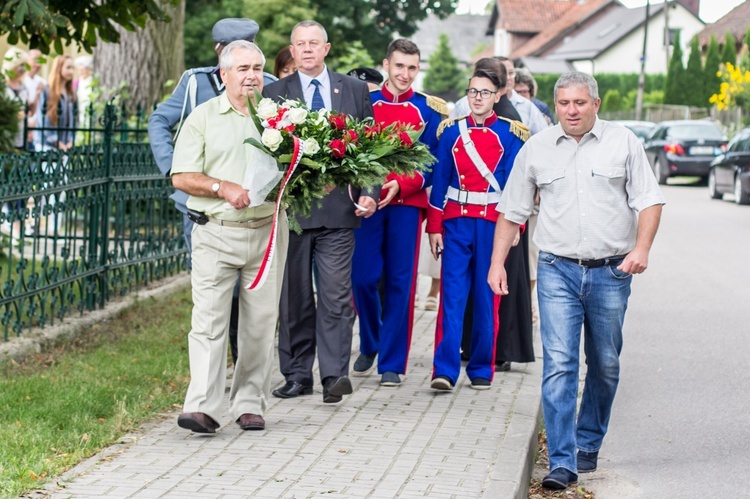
[{"x": 572, "y": 298}]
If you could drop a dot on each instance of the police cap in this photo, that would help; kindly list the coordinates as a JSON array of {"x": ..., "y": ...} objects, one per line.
[
  {"x": 367, "y": 75},
  {"x": 232, "y": 28}
]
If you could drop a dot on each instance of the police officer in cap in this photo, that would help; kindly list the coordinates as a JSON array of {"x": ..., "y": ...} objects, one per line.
[{"x": 195, "y": 87}]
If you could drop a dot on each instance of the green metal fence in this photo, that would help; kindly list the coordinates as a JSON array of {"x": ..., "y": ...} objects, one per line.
[{"x": 83, "y": 226}]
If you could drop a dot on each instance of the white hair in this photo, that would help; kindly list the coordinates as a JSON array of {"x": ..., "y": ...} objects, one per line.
[{"x": 226, "y": 59}]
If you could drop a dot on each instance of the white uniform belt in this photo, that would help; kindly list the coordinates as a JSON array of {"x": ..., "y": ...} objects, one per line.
[{"x": 471, "y": 197}]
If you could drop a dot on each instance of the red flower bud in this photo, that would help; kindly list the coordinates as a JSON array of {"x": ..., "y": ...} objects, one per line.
[
  {"x": 338, "y": 121},
  {"x": 405, "y": 139},
  {"x": 350, "y": 136},
  {"x": 338, "y": 148}
]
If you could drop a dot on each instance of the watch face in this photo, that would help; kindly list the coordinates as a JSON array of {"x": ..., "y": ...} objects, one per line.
[{"x": 215, "y": 187}]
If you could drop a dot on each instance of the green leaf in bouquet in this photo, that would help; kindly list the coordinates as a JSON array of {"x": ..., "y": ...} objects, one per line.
[{"x": 256, "y": 143}]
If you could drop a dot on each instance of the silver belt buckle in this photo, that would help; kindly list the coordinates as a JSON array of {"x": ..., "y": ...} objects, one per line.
[{"x": 466, "y": 197}]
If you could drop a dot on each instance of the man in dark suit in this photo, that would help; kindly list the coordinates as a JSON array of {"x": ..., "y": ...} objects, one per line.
[{"x": 327, "y": 238}]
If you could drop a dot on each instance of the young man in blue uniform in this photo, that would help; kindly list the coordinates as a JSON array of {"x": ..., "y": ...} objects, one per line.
[
  {"x": 387, "y": 244},
  {"x": 475, "y": 156},
  {"x": 195, "y": 87}
]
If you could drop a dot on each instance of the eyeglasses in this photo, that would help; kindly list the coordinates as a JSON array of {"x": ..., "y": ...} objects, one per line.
[
  {"x": 473, "y": 92},
  {"x": 524, "y": 92}
]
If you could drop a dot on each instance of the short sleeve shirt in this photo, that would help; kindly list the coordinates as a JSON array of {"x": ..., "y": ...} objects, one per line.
[
  {"x": 590, "y": 191},
  {"x": 212, "y": 142}
]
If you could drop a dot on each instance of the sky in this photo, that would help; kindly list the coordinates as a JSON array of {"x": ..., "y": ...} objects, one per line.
[{"x": 710, "y": 10}]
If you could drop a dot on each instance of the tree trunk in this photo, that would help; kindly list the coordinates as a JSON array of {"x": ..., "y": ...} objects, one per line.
[{"x": 144, "y": 59}]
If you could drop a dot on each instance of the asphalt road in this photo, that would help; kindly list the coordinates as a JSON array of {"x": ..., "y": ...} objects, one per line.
[{"x": 681, "y": 422}]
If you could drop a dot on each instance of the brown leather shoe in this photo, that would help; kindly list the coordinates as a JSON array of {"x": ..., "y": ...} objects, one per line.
[
  {"x": 251, "y": 422},
  {"x": 197, "y": 422}
]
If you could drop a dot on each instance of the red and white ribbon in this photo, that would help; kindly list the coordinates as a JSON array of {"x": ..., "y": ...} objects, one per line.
[{"x": 265, "y": 265}]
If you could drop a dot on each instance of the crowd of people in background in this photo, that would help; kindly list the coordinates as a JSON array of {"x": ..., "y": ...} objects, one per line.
[{"x": 51, "y": 109}]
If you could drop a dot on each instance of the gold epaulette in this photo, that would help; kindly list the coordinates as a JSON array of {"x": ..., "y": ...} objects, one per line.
[
  {"x": 446, "y": 123},
  {"x": 518, "y": 129},
  {"x": 436, "y": 103}
]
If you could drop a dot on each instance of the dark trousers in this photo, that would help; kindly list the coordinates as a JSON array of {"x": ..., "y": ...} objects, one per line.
[{"x": 327, "y": 326}]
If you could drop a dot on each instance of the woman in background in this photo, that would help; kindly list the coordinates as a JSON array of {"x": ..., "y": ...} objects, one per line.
[
  {"x": 56, "y": 113},
  {"x": 284, "y": 65}
]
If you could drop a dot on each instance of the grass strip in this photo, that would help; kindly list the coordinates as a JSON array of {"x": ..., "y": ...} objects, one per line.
[{"x": 66, "y": 404}]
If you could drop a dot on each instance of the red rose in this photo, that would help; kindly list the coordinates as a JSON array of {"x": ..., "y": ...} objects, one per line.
[
  {"x": 350, "y": 136},
  {"x": 405, "y": 139},
  {"x": 338, "y": 148},
  {"x": 338, "y": 121}
]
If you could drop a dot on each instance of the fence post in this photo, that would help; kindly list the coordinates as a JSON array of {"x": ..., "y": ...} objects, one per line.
[{"x": 109, "y": 121}]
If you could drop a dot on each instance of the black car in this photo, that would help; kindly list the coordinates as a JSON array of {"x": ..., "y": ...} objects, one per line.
[
  {"x": 684, "y": 148},
  {"x": 730, "y": 172},
  {"x": 641, "y": 129}
]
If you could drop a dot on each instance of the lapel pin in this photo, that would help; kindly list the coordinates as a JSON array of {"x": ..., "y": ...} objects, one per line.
[{"x": 335, "y": 90}]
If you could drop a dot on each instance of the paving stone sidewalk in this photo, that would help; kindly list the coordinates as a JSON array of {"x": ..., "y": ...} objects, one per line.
[{"x": 380, "y": 442}]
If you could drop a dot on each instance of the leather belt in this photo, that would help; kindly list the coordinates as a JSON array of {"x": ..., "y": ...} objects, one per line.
[
  {"x": 473, "y": 197},
  {"x": 591, "y": 264},
  {"x": 245, "y": 224}
]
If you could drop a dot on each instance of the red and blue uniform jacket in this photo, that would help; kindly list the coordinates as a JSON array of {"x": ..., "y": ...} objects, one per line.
[
  {"x": 419, "y": 110},
  {"x": 497, "y": 141}
]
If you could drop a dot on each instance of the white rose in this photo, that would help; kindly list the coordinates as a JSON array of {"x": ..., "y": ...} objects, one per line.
[
  {"x": 310, "y": 146},
  {"x": 297, "y": 115},
  {"x": 271, "y": 138},
  {"x": 267, "y": 108},
  {"x": 289, "y": 104}
]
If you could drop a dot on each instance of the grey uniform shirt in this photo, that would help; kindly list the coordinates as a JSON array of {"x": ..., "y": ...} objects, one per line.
[{"x": 590, "y": 191}]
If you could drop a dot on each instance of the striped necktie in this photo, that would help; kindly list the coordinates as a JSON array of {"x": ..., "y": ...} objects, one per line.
[{"x": 317, "y": 99}]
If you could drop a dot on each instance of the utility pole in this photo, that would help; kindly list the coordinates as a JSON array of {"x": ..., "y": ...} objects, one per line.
[
  {"x": 642, "y": 76},
  {"x": 667, "y": 38}
]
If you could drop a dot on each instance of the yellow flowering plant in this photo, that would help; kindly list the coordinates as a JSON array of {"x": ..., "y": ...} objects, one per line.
[{"x": 734, "y": 90}]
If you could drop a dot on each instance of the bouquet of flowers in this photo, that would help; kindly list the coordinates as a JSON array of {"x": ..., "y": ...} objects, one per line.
[{"x": 327, "y": 149}]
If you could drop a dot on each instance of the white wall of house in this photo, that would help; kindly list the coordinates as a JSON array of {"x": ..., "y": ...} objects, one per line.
[{"x": 624, "y": 56}]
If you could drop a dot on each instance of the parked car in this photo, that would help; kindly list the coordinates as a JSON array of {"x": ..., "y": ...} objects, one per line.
[
  {"x": 684, "y": 148},
  {"x": 641, "y": 129},
  {"x": 730, "y": 172}
]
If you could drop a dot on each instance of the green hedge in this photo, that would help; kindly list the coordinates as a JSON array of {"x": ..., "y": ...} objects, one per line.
[{"x": 623, "y": 83}]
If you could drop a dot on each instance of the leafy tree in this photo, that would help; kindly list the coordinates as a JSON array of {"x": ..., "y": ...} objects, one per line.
[
  {"x": 674, "y": 91},
  {"x": 729, "y": 52},
  {"x": 200, "y": 17},
  {"x": 694, "y": 76},
  {"x": 43, "y": 23},
  {"x": 276, "y": 19},
  {"x": 443, "y": 76},
  {"x": 144, "y": 58},
  {"x": 356, "y": 56},
  {"x": 375, "y": 22},
  {"x": 10, "y": 122},
  {"x": 711, "y": 80}
]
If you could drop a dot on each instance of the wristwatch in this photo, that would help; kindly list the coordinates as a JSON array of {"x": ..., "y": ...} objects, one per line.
[{"x": 215, "y": 187}]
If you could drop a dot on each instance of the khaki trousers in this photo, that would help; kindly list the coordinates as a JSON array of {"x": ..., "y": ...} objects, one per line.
[{"x": 219, "y": 254}]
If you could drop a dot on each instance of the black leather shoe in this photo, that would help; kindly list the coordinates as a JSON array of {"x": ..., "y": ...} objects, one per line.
[
  {"x": 292, "y": 389},
  {"x": 334, "y": 387}
]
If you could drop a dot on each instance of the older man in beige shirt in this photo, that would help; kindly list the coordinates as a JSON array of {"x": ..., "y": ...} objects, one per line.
[{"x": 231, "y": 230}]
